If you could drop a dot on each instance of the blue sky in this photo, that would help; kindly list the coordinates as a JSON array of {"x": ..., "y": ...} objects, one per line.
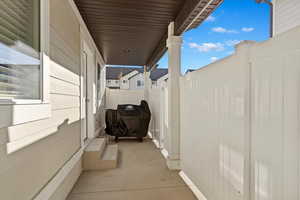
[{"x": 232, "y": 22}]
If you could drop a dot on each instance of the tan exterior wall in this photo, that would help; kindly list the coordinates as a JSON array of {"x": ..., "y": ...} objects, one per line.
[{"x": 26, "y": 172}]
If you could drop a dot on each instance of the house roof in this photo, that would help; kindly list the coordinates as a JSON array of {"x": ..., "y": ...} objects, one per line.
[
  {"x": 158, "y": 73},
  {"x": 189, "y": 70},
  {"x": 131, "y": 32},
  {"x": 115, "y": 73}
]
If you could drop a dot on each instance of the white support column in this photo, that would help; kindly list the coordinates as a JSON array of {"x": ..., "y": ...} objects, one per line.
[
  {"x": 174, "y": 52},
  {"x": 146, "y": 84}
]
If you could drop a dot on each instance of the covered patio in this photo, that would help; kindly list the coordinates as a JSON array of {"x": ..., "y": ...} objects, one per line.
[
  {"x": 141, "y": 174},
  {"x": 139, "y": 33}
]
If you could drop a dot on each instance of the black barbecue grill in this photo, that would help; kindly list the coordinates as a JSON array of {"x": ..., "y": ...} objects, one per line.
[{"x": 128, "y": 121}]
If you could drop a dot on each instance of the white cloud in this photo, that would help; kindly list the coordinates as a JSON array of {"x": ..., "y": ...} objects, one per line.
[
  {"x": 232, "y": 42},
  {"x": 207, "y": 47},
  {"x": 210, "y": 19},
  {"x": 214, "y": 59},
  {"x": 248, "y": 29},
  {"x": 223, "y": 30}
]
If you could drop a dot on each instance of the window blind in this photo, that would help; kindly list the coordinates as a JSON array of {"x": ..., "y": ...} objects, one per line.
[{"x": 19, "y": 49}]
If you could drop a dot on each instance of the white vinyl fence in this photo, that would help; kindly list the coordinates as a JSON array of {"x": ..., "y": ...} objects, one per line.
[
  {"x": 154, "y": 103},
  {"x": 114, "y": 97},
  {"x": 240, "y": 123}
]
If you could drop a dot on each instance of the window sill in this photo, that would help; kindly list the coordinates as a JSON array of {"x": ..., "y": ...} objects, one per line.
[
  {"x": 16, "y": 114},
  {"x": 20, "y": 102}
]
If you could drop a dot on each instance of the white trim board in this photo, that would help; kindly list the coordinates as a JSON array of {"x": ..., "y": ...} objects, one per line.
[
  {"x": 156, "y": 143},
  {"x": 150, "y": 135},
  {"x": 192, "y": 186},
  {"x": 165, "y": 153},
  {"x": 99, "y": 130},
  {"x": 58, "y": 179},
  {"x": 86, "y": 30}
]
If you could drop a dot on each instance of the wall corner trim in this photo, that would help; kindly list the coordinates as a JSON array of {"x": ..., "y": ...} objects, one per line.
[{"x": 192, "y": 186}]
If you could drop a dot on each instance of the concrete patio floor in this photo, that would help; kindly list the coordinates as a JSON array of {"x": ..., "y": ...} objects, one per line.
[{"x": 141, "y": 175}]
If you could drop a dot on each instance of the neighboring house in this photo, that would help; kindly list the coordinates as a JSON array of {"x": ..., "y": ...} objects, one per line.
[
  {"x": 125, "y": 79},
  {"x": 136, "y": 82},
  {"x": 158, "y": 76},
  {"x": 118, "y": 77},
  {"x": 286, "y": 15},
  {"x": 132, "y": 78}
]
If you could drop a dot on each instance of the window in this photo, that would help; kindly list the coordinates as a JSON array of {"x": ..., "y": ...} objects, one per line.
[
  {"x": 20, "y": 65},
  {"x": 139, "y": 83},
  {"x": 109, "y": 81},
  {"x": 124, "y": 81},
  {"x": 24, "y": 68},
  {"x": 99, "y": 82}
]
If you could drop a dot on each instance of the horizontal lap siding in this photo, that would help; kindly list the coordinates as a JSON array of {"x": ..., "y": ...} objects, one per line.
[
  {"x": 24, "y": 173},
  {"x": 286, "y": 15}
]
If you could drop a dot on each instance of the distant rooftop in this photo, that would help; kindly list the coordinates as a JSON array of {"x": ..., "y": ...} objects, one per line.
[
  {"x": 115, "y": 73},
  {"x": 158, "y": 73},
  {"x": 189, "y": 70}
]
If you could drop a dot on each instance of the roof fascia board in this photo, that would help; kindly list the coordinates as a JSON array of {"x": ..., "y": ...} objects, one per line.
[{"x": 182, "y": 21}]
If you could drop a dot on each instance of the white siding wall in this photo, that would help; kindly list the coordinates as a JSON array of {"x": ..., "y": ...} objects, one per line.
[
  {"x": 133, "y": 82},
  {"x": 286, "y": 15},
  {"x": 124, "y": 84},
  {"x": 241, "y": 115},
  {"x": 113, "y": 83}
]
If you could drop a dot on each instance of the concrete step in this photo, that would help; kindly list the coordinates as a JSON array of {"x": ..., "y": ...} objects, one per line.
[
  {"x": 110, "y": 157},
  {"x": 96, "y": 145},
  {"x": 93, "y": 152},
  {"x": 99, "y": 156}
]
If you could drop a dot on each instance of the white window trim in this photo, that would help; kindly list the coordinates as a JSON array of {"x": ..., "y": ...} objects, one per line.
[
  {"x": 19, "y": 111},
  {"x": 45, "y": 61}
]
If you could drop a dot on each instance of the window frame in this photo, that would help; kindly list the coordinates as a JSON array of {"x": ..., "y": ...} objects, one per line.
[
  {"x": 44, "y": 60},
  {"x": 17, "y": 110}
]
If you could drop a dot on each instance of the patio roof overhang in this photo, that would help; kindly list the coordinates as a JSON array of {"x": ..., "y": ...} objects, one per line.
[{"x": 134, "y": 32}]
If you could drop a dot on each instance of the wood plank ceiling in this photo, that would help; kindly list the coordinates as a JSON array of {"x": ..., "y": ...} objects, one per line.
[{"x": 133, "y": 32}]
